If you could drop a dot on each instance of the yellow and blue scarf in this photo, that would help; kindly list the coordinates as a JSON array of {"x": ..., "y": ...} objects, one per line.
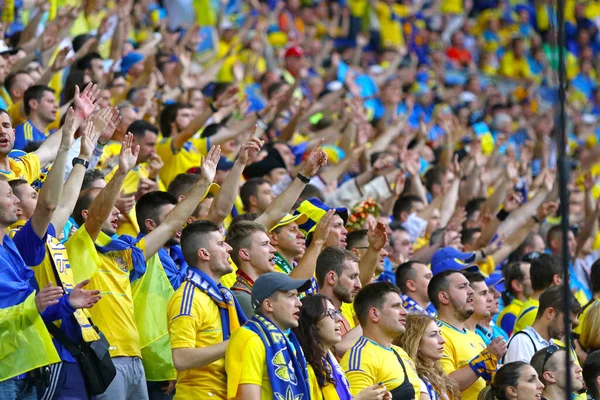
[
  {"x": 287, "y": 369},
  {"x": 342, "y": 386},
  {"x": 125, "y": 242},
  {"x": 232, "y": 315}
]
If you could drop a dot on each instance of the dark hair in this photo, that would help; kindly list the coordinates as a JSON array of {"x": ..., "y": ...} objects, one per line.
[
  {"x": 212, "y": 129},
  {"x": 11, "y": 78},
  {"x": 86, "y": 61},
  {"x": 434, "y": 176},
  {"x": 86, "y": 197},
  {"x": 193, "y": 237},
  {"x": 507, "y": 375},
  {"x": 403, "y": 273},
  {"x": 332, "y": 259},
  {"x": 511, "y": 272},
  {"x": 405, "y": 204},
  {"x": 473, "y": 206},
  {"x": 312, "y": 311},
  {"x": 138, "y": 128},
  {"x": 148, "y": 206},
  {"x": 182, "y": 184},
  {"x": 219, "y": 89},
  {"x": 91, "y": 176},
  {"x": 439, "y": 283},
  {"x": 75, "y": 78},
  {"x": 273, "y": 87},
  {"x": 540, "y": 358},
  {"x": 473, "y": 277},
  {"x": 36, "y": 92},
  {"x": 250, "y": 188},
  {"x": 595, "y": 276},
  {"x": 239, "y": 236},
  {"x": 372, "y": 295},
  {"x": 591, "y": 371},
  {"x": 80, "y": 40},
  {"x": 553, "y": 298},
  {"x": 543, "y": 270},
  {"x": 355, "y": 237},
  {"x": 468, "y": 235},
  {"x": 168, "y": 116},
  {"x": 15, "y": 183}
]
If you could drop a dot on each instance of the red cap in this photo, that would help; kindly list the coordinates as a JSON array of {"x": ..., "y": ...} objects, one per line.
[{"x": 294, "y": 51}]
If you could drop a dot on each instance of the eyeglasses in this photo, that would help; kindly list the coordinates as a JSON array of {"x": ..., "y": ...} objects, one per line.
[
  {"x": 333, "y": 314},
  {"x": 551, "y": 349}
]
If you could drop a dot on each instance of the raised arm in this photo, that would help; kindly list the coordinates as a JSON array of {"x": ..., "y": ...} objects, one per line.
[
  {"x": 225, "y": 198},
  {"x": 103, "y": 204},
  {"x": 72, "y": 186},
  {"x": 284, "y": 202},
  {"x": 84, "y": 105},
  {"x": 52, "y": 188},
  {"x": 177, "y": 217},
  {"x": 377, "y": 238},
  {"x": 305, "y": 269}
]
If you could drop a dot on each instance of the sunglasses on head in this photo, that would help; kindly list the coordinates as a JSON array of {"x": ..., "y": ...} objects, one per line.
[{"x": 549, "y": 351}]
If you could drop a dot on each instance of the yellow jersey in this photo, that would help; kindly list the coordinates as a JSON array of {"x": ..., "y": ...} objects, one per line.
[
  {"x": 460, "y": 348},
  {"x": 109, "y": 273},
  {"x": 246, "y": 363},
  {"x": 26, "y": 167},
  {"x": 452, "y": 7},
  {"x": 195, "y": 322},
  {"x": 527, "y": 315},
  {"x": 389, "y": 21},
  {"x": 368, "y": 363},
  {"x": 327, "y": 392},
  {"x": 349, "y": 314},
  {"x": 109, "y": 159},
  {"x": 583, "y": 315},
  {"x": 508, "y": 316},
  {"x": 180, "y": 161},
  {"x": 512, "y": 67}
]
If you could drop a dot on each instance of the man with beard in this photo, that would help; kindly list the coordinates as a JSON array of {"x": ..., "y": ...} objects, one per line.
[
  {"x": 338, "y": 278},
  {"x": 549, "y": 363},
  {"x": 373, "y": 359},
  {"x": 114, "y": 265},
  {"x": 466, "y": 359},
  {"x": 548, "y": 326},
  {"x": 518, "y": 287}
]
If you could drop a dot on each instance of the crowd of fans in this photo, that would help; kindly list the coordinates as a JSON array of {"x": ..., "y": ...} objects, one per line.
[{"x": 297, "y": 199}]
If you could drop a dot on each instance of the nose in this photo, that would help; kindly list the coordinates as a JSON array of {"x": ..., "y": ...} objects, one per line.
[
  {"x": 403, "y": 311},
  {"x": 272, "y": 249},
  {"x": 228, "y": 247},
  {"x": 471, "y": 292}
]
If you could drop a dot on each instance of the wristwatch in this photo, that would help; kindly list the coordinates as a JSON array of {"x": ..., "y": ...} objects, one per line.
[{"x": 81, "y": 161}]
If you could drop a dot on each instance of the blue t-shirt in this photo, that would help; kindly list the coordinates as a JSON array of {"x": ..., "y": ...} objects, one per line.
[{"x": 27, "y": 132}]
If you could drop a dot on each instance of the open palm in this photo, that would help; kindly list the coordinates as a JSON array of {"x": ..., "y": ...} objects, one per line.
[
  {"x": 129, "y": 154},
  {"x": 85, "y": 102}
]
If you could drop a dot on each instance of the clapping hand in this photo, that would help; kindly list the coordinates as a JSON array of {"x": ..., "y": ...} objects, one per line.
[{"x": 129, "y": 154}]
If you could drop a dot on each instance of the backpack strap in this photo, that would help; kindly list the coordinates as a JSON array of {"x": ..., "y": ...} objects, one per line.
[{"x": 515, "y": 335}]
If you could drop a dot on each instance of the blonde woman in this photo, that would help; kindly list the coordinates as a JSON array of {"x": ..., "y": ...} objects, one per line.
[
  {"x": 589, "y": 338},
  {"x": 425, "y": 345}
]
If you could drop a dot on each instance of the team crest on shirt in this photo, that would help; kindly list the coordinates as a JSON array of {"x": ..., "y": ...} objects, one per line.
[
  {"x": 121, "y": 263},
  {"x": 289, "y": 395},
  {"x": 283, "y": 371}
]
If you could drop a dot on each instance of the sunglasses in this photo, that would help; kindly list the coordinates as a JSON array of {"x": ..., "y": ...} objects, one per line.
[
  {"x": 549, "y": 351},
  {"x": 333, "y": 314}
]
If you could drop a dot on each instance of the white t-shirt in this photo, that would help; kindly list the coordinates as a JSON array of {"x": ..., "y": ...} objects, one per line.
[{"x": 523, "y": 345}]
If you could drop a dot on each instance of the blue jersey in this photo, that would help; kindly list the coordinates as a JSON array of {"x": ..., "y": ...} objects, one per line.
[{"x": 26, "y": 133}]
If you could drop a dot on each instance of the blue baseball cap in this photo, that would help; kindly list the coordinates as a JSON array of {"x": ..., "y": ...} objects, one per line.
[
  {"x": 496, "y": 280},
  {"x": 130, "y": 60},
  {"x": 446, "y": 253},
  {"x": 452, "y": 264}
]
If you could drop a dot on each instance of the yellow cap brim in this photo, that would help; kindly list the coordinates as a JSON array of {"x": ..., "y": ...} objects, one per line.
[
  {"x": 289, "y": 218},
  {"x": 213, "y": 189}
]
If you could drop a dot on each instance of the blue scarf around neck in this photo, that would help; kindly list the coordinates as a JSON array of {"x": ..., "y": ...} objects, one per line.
[
  {"x": 342, "y": 386},
  {"x": 173, "y": 264},
  {"x": 125, "y": 242},
  {"x": 287, "y": 370}
]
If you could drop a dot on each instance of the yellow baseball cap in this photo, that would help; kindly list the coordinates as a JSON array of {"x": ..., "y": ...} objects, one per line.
[
  {"x": 213, "y": 189},
  {"x": 289, "y": 218}
]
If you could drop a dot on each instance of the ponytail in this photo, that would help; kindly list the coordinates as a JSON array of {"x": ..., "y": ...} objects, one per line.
[{"x": 486, "y": 394}]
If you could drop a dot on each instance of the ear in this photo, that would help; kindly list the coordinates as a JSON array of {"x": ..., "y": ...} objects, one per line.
[
  {"x": 549, "y": 377},
  {"x": 84, "y": 214},
  {"x": 33, "y": 104},
  {"x": 252, "y": 200},
  {"x": 190, "y": 220},
  {"x": 244, "y": 254},
  {"x": 516, "y": 286},
  {"x": 203, "y": 254},
  {"x": 150, "y": 224},
  {"x": 511, "y": 391},
  {"x": 267, "y": 305},
  {"x": 374, "y": 314},
  {"x": 550, "y": 313},
  {"x": 331, "y": 278},
  {"x": 180, "y": 197},
  {"x": 556, "y": 280},
  {"x": 355, "y": 252},
  {"x": 410, "y": 285},
  {"x": 443, "y": 297},
  {"x": 174, "y": 129},
  {"x": 272, "y": 238}
]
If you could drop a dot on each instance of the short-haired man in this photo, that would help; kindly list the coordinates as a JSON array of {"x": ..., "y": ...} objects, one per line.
[
  {"x": 264, "y": 359},
  {"x": 549, "y": 363},
  {"x": 485, "y": 306},
  {"x": 518, "y": 287},
  {"x": 256, "y": 195},
  {"x": 253, "y": 255},
  {"x": 40, "y": 108},
  {"x": 373, "y": 359},
  {"x": 466, "y": 358},
  {"x": 546, "y": 271},
  {"x": 547, "y": 326},
  {"x": 412, "y": 277},
  {"x": 338, "y": 277},
  {"x": 591, "y": 374},
  {"x": 203, "y": 314}
]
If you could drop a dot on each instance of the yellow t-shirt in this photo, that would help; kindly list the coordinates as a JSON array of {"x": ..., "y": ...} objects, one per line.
[
  {"x": 527, "y": 315},
  {"x": 583, "y": 315},
  {"x": 452, "y": 6},
  {"x": 511, "y": 311},
  {"x": 180, "y": 161},
  {"x": 368, "y": 363},
  {"x": 391, "y": 27},
  {"x": 130, "y": 185},
  {"x": 327, "y": 392},
  {"x": 246, "y": 364},
  {"x": 195, "y": 322},
  {"x": 109, "y": 158},
  {"x": 514, "y": 68},
  {"x": 15, "y": 114},
  {"x": 460, "y": 348},
  {"x": 109, "y": 273},
  {"x": 26, "y": 167},
  {"x": 349, "y": 314}
]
